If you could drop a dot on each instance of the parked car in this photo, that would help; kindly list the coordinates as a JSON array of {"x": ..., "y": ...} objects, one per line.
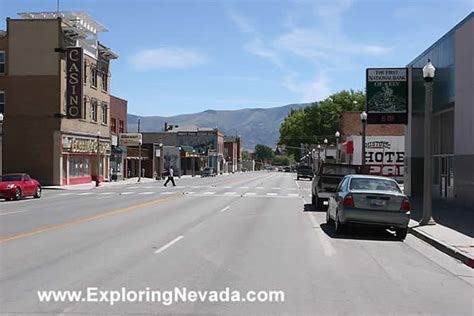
[
  {"x": 18, "y": 185},
  {"x": 326, "y": 180},
  {"x": 369, "y": 200},
  {"x": 287, "y": 169},
  {"x": 304, "y": 172},
  {"x": 209, "y": 172}
]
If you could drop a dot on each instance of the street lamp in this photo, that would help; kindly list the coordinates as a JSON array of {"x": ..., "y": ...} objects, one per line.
[
  {"x": 363, "y": 118},
  {"x": 97, "y": 180},
  {"x": 319, "y": 152},
  {"x": 325, "y": 148},
  {"x": 428, "y": 76},
  {"x": 337, "y": 134}
]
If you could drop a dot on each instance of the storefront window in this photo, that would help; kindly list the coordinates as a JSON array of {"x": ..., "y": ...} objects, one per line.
[{"x": 79, "y": 167}]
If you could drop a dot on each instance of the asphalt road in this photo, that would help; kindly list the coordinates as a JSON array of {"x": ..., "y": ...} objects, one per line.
[{"x": 245, "y": 232}]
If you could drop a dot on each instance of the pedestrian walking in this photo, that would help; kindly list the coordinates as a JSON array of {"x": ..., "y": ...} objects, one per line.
[{"x": 170, "y": 176}]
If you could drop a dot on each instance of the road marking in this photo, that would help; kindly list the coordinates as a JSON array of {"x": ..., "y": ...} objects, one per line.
[
  {"x": 190, "y": 192},
  {"x": 297, "y": 184},
  {"x": 86, "y": 219},
  {"x": 225, "y": 208},
  {"x": 169, "y": 244},
  {"x": 327, "y": 247},
  {"x": 275, "y": 188},
  {"x": 251, "y": 193},
  {"x": 230, "y": 193},
  {"x": 244, "y": 187},
  {"x": 134, "y": 187},
  {"x": 167, "y": 193},
  {"x": 148, "y": 187},
  {"x": 180, "y": 187},
  {"x": 85, "y": 193},
  {"x": 127, "y": 193},
  {"x": 10, "y": 213},
  {"x": 146, "y": 193},
  {"x": 209, "y": 193},
  {"x": 106, "y": 193},
  {"x": 272, "y": 194},
  {"x": 293, "y": 194},
  {"x": 196, "y": 186},
  {"x": 226, "y": 187},
  {"x": 259, "y": 188},
  {"x": 64, "y": 194}
]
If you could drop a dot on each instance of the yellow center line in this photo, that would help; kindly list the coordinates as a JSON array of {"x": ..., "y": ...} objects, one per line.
[{"x": 87, "y": 219}]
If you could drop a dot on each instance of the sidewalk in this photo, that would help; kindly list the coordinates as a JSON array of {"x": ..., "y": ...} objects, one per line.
[
  {"x": 454, "y": 230},
  {"x": 91, "y": 185}
]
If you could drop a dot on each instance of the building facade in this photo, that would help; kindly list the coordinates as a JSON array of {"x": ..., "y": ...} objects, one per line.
[
  {"x": 39, "y": 137},
  {"x": 231, "y": 157},
  {"x": 118, "y": 125},
  {"x": 452, "y": 120}
]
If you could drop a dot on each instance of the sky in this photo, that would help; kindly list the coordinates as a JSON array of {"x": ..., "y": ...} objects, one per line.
[{"x": 178, "y": 57}]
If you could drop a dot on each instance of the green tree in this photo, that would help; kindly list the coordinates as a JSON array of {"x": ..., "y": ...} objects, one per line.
[
  {"x": 246, "y": 155},
  {"x": 318, "y": 121},
  {"x": 263, "y": 153}
]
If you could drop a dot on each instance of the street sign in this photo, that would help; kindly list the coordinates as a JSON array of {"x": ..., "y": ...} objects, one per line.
[
  {"x": 387, "y": 95},
  {"x": 130, "y": 139}
]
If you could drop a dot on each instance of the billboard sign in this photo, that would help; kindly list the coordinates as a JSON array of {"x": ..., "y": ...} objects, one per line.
[
  {"x": 74, "y": 86},
  {"x": 130, "y": 139},
  {"x": 387, "y": 95}
]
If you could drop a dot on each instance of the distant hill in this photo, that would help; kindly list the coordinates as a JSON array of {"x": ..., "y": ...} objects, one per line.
[{"x": 256, "y": 126}]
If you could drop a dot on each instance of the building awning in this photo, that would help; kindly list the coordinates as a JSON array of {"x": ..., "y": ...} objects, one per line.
[
  {"x": 187, "y": 149},
  {"x": 118, "y": 150}
]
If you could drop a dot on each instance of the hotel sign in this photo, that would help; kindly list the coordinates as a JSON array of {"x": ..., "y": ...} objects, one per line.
[
  {"x": 387, "y": 95},
  {"x": 74, "y": 73}
]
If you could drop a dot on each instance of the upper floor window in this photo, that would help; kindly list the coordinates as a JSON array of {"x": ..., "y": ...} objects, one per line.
[
  {"x": 121, "y": 127},
  {"x": 94, "y": 77},
  {"x": 104, "y": 81},
  {"x": 104, "y": 113},
  {"x": 2, "y": 63},
  {"x": 94, "y": 111},
  {"x": 84, "y": 109},
  {"x": 113, "y": 125},
  {"x": 2, "y": 102}
]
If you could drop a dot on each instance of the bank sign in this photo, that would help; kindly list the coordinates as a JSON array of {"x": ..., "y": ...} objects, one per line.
[
  {"x": 74, "y": 73},
  {"x": 387, "y": 95}
]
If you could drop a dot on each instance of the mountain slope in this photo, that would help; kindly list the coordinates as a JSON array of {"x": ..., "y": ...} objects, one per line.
[{"x": 256, "y": 126}]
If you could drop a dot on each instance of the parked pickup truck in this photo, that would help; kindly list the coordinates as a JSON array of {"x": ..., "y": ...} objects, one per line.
[{"x": 326, "y": 181}]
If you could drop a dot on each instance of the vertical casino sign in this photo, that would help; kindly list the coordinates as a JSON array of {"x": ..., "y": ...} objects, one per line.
[{"x": 74, "y": 87}]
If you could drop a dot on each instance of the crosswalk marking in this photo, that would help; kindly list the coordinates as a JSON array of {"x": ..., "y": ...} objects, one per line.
[
  {"x": 106, "y": 193},
  {"x": 126, "y": 193},
  {"x": 272, "y": 194},
  {"x": 167, "y": 193},
  {"x": 209, "y": 193},
  {"x": 259, "y": 188},
  {"x": 250, "y": 193},
  {"x": 146, "y": 193},
  {"x": 230, "y": 193},
  {"x": 275, "y": 188},
  {"x": 293, "y": 194},
  {"x": 243, "y": 187},
  {"x": 85, "y": 193}
]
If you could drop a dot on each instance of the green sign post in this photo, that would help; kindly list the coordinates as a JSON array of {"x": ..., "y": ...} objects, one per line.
[{"x": 387, "y": 95}]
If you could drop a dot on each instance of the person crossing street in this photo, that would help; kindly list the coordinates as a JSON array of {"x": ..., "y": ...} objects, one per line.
[{"x": 170, "y": 176}]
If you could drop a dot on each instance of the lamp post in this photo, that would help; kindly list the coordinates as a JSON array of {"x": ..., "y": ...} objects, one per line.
[
  {"x": 97, "y": 180},
  {"x": 428, "y": 76},
  {"x": 363, "y": 118},
  {"x": 325, "y": 148},
  {"x": 319, "y": 152},
  {"x": 337, "y": 134},
  {"x": 192, "y": 161}
]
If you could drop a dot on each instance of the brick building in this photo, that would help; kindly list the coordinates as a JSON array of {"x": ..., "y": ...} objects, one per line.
[
  {"x": 118, "y": 125},
  {"x": 40, "y": 137}
]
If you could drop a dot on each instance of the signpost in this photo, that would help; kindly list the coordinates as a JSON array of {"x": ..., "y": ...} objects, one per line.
[{"x": 387, "y": 95}]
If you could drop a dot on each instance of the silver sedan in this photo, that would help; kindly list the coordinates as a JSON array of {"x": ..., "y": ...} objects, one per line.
[{"x": 369, "y": 200}]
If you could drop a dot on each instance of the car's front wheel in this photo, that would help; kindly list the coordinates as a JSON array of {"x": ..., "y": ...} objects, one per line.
[
  {"x": 37, "y": 192},
  {"x": 401, "y": 233},
  {"x": 17, "y": 194}
]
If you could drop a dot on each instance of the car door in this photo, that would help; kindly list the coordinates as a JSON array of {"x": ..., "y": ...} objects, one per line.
[
  {"x": 28, "y": 185},
  {"x": 335, "y": 198}
]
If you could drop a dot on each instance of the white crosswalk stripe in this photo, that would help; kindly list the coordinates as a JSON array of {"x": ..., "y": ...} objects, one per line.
[
  {"x": 127, "y": 193},
  {"x": 250, "y": 193},
  {"x": 167, "y": 193},
  {"x": 230, "y": 193},
  {"x": 106, "y": 193},
  {"x": 209, "y": 193},
  {"x": 272, "y": 194},
  {"x": 293, "y": 194},
  {"x": 85, "y": 193},
  {"x": 146, "y": 193}
]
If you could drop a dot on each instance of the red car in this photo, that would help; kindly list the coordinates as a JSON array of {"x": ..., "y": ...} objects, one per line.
[{"x": 18, "y": 185}]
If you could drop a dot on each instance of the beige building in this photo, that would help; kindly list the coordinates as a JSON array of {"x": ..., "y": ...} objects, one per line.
[{"x": 38, "y": 136}]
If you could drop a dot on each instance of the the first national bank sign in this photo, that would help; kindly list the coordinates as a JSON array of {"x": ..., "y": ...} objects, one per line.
[
  {"x": 74, "y": 73},
  {"x": 387, "y": 95}
]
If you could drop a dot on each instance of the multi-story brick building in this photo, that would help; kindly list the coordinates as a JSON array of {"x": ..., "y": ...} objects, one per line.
[
  {"x": 118, "y": 125},
  {"x": 40, "y": 135}
]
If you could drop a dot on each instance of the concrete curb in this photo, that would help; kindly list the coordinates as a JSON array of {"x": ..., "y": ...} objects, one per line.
[{"x": 443, "y": 247}]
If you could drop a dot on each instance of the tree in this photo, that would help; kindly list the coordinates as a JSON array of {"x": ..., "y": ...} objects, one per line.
[
  {"x": 263, "y": 152},
  {"x": 246, "y": 155},
  {"x": 318, "y": 121}
]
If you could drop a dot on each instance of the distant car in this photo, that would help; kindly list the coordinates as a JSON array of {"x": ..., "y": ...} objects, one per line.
[
  {"x": 15, "y": 186},
  {"x": 304, "y": 172},
  {"x": 280, "y": 169},
  {"x": 287, "y": 169},
  {"x": 209, "y": 172},
  {"x": 369, "y": 200}
]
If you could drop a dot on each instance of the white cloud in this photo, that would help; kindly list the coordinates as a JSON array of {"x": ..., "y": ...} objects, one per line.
[
  {"x": 259, "y": 48},
  {"x": 166, "y": 58},
  {"x": 242, "y": 22},
  {"x": 315, "y": 90}
]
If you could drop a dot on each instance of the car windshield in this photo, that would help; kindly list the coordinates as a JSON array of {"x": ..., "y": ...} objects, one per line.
[
  {"x": 339, "y": 170},
  {"x": 373, "y": 184},
  {"x": 10, "y": 177}
]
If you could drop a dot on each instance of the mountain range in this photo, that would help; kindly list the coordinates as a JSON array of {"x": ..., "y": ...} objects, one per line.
[{"x": 256, "y": 126}]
